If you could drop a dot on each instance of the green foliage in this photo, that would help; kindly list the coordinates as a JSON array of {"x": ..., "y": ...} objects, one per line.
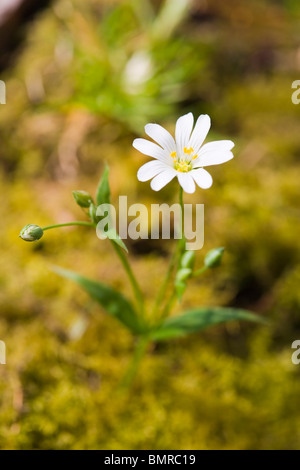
[
  {"x": 200, "y": 318},
  {"x": 103, "y": 190},
  {"x": 103, "y": 197},
  {"x": 112, "y": 235},
  {"x": 111, "y": 300}
]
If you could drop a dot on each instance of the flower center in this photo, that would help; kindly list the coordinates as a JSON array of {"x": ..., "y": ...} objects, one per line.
[{"x": 183, "y": 164}]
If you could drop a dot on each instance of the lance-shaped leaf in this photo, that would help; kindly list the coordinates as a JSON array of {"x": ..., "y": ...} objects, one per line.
[
  {"x": 112, "y": 235},
  {"x": 103, "y": 190},
  {"x": 111, "y": 300},
  {"x": 200, "y": 318},
  {"x": 103, "y": 197}
]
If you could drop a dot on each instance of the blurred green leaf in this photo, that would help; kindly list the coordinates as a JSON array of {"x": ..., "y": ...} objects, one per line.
[
  {"x": 111, "y": 300},
  {"x": 103, "y": 197},
  {"x": 200, "y": 318},
  {"x": 112, "y": 235},
  {"x": 103, "y": 191}
]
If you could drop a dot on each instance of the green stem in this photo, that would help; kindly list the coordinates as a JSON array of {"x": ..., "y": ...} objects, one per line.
[
  {"x": 164, "y": 286},
  {"x": 139, "y": 352},
  {"x": 168, "y": 306},
  {"x": 89, "y": 224},
  {"x": 181, "y": 241},
  {"x": 200, "y": 271},
  {"x": 135, "y": 286},
  {"x": 174, "y": 260}
]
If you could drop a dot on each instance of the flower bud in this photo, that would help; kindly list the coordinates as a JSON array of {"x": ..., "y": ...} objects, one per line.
[
  {"x": 188, "y": 259},
  {"x": 82, "y": 198},
  {"x": 92, "y": 213},
  {"x": 31, "y": 233},
  {"x": 214, "y": 257},
  {"x": 183, "y": 274}
]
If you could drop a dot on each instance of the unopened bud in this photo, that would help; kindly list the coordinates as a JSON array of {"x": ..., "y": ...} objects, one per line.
[
  {"x": 183, "y": 274},
  {"x": 93, "y": 213},
  {"x": 188, "y": 259},
  {"x": 82, "y": 198},
  {"x": 31, "y": 233},
  {"x": 214, "y": 257}
]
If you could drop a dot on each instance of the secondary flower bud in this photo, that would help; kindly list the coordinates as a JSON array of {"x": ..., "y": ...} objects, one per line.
[
  {"x": 92, "y": 213},
  {"x": 188, "y": 259},
  {"x": 214, "y": 257},
  {"x": 31, "y": 233},
  {"x": 82, "y": 198},
  {"x": 183, "y": 274}
]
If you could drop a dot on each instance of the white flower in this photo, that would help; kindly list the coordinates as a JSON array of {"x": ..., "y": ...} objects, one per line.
[{"x": 183, "y": 157}]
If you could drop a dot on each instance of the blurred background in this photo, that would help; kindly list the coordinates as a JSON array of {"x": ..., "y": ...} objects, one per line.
[{"x": 82, "y": 79}]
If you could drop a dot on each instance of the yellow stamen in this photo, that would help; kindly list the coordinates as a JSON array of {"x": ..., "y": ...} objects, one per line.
[
  {"x": 188, "y": 151},
  {"x": 195, "y": 156},
  {"x": 174, "y": 155}
]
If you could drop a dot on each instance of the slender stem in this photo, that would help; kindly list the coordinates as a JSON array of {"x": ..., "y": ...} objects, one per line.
[
  {"x": 164, "y": 286},
  {"x": 181, "y": 242},
  {"x": 135, "y": 286},
  {"x": 200, "y": 271},
  {"x": 173, "y": 262},
  {"x": 89, "y": 224},
  {"x": 180, "y": 250},
  {"x": 139, "y": 352},
  {"x": 168, "y": 306}
]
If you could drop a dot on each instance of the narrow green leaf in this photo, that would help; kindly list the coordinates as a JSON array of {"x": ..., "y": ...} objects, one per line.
[
  {"x": 103, "y": 190},
  {"x": 120, "y": 242},
  {"x": 111, "y": 300},
  {"x": 103, "y": 197},
  {"x": 200, "y": 318},
  {"x": 114, "y": 237}
]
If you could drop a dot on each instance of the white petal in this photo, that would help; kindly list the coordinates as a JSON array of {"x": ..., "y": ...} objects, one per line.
[
  {"x": 186, "y": 182},
  {"x": 150, "y": 169},
  {"x": 215, "y": 153},
  {"x": 215, "y": 158},
  {"x": 149, "y": 148},
  {"x": 163, "y": 179},
  {"x": 217, "y": 145},
  {"x": 161, "y": 136},
  {"x": 200, "y": 132},
  {"x": 184, "y": 126},
  {"x": 202, "y": 178}
]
